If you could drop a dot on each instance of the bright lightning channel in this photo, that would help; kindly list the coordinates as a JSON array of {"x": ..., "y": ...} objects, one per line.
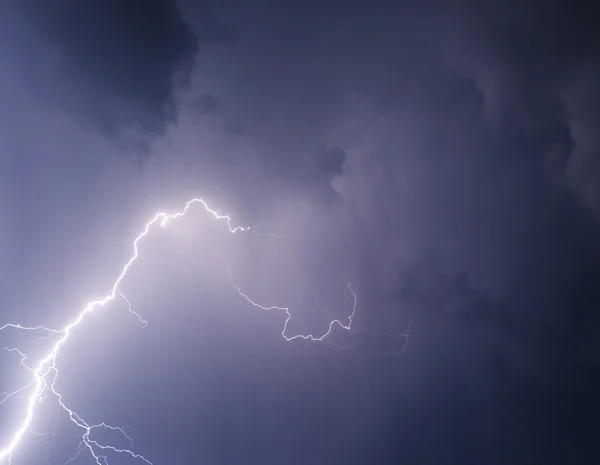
[{"x": 44, "y": 374}]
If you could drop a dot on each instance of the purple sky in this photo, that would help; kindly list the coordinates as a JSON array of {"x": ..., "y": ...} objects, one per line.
[{"x": 442, "y": 158}]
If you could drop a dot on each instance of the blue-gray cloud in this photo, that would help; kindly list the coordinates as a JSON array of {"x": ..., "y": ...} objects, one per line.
[{"x": 112, "y": 64}]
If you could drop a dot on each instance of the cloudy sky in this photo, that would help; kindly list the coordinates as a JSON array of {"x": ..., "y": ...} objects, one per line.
[{"x": 444, "y": 159}]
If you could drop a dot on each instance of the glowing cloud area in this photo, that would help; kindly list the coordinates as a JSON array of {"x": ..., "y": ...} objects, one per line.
[{"x": 44, "y": 372}]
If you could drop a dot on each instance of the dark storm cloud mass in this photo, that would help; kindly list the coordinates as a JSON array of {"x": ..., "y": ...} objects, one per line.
[
  {"x": 537, "y": 69},
  {"x": 114, "y": 64}
]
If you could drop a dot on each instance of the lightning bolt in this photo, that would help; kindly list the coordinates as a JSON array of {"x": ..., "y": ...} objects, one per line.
[{"x": 43, "y": 375}]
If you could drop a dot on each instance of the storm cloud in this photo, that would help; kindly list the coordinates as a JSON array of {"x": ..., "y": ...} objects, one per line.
[
  {"x": 88, "y": 59},
  {"x": 443, "y": 158}
]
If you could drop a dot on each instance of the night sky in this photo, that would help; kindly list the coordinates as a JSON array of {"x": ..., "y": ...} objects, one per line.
[{"x": 444, "y": 159}]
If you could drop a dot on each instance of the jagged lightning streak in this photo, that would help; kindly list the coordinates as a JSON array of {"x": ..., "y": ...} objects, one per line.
[
  {"x": 44, "y": 374},
  {"x": 288, "y": 316}
]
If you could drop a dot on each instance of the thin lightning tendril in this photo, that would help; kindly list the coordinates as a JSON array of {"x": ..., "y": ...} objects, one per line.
[{"x": 45, "y": 373}]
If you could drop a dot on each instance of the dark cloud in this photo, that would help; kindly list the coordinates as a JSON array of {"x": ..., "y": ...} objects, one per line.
[
  {"x": 535, "y": 64},
  {"x": 206, "y": 104},
  {"x": 333, "y": 161},
  {"x": 114, "y": 64}
]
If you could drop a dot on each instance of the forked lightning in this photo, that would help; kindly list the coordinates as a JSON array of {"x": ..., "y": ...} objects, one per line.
[{"x": 44, "y": 373}]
